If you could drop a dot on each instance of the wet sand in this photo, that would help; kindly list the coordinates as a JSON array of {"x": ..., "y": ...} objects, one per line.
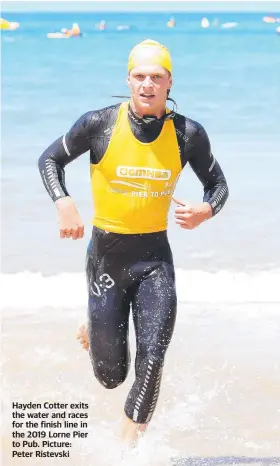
[{"x": 220, "y": 396}]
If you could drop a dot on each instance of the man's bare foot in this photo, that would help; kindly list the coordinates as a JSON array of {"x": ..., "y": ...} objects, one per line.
[
  {"x": 131, "y": 432},
  {"x": 82, "y": 335}
]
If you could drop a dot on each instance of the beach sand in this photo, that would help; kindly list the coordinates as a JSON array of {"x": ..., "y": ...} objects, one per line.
[{"x": 220, "y": 396}]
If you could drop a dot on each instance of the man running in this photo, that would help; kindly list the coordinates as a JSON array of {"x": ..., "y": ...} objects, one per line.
[{"x": 137, "y": 152}]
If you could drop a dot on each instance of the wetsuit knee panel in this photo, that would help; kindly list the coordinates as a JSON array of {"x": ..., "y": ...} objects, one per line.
[{"x": 110, "y": 377}]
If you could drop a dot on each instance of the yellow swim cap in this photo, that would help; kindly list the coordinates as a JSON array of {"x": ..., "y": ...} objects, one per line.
[{"x": 149, "y": 52}]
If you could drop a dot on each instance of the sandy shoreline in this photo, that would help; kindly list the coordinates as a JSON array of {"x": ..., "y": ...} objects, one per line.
[{"x": 220, "y": 397}]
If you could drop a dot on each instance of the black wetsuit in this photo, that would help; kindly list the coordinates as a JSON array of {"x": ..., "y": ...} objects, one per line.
[{"x": 131, "y": 270}]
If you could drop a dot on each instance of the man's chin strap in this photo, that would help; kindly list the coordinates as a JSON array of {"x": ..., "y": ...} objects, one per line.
[{"x": 149, "y": 118}]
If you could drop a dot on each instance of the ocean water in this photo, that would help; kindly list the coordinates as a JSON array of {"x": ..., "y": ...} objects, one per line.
[
  {"x": 227, "y": 79},
  {"x": 221, "y": 385}
]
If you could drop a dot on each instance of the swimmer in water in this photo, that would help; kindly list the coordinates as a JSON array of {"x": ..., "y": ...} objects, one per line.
[
  {"x": 138, "y": 149},
  {"x": 171, "y": 23},
  {"x": 73, "y": 32}
]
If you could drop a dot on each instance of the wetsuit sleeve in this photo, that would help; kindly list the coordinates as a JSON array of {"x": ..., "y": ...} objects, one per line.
[
  {"x": 207, "y": 169},
  {"x": 63, "y": 151}
]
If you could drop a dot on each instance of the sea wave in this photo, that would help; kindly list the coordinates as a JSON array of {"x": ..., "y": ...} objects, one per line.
[{"x": 33, "y": 290}]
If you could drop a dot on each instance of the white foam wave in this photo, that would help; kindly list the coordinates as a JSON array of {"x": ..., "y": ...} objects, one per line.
[
  {"x": 226, "y": 286},
  {"x": 68, "y": 290}
]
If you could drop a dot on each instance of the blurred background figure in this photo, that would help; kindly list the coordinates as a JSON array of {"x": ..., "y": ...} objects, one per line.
[
  {"x": 171, "y": 23},
  {"x": 66, "y": 33},
  {"x": 8, "y": 25},
  {"x": 75, "y": 31},
  {"x": 269, "y": 19},
  {"x": 102, "y": 25},
  {"x": 205, "y": 23}
]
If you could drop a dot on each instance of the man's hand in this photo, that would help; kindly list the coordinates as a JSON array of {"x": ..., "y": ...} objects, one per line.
[
  {"x": 70, "y": 222},
  {"x": 190, "y": 217}
]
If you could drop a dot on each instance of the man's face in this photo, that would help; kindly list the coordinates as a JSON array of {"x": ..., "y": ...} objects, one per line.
[{"x": 148, "y": 85}]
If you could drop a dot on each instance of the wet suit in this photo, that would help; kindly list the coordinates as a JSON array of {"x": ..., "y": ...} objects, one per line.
[{"x": 129, "y": 261}]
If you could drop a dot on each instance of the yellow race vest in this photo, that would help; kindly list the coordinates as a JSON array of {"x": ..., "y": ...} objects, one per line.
[{"x": 132, "y": 185}]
